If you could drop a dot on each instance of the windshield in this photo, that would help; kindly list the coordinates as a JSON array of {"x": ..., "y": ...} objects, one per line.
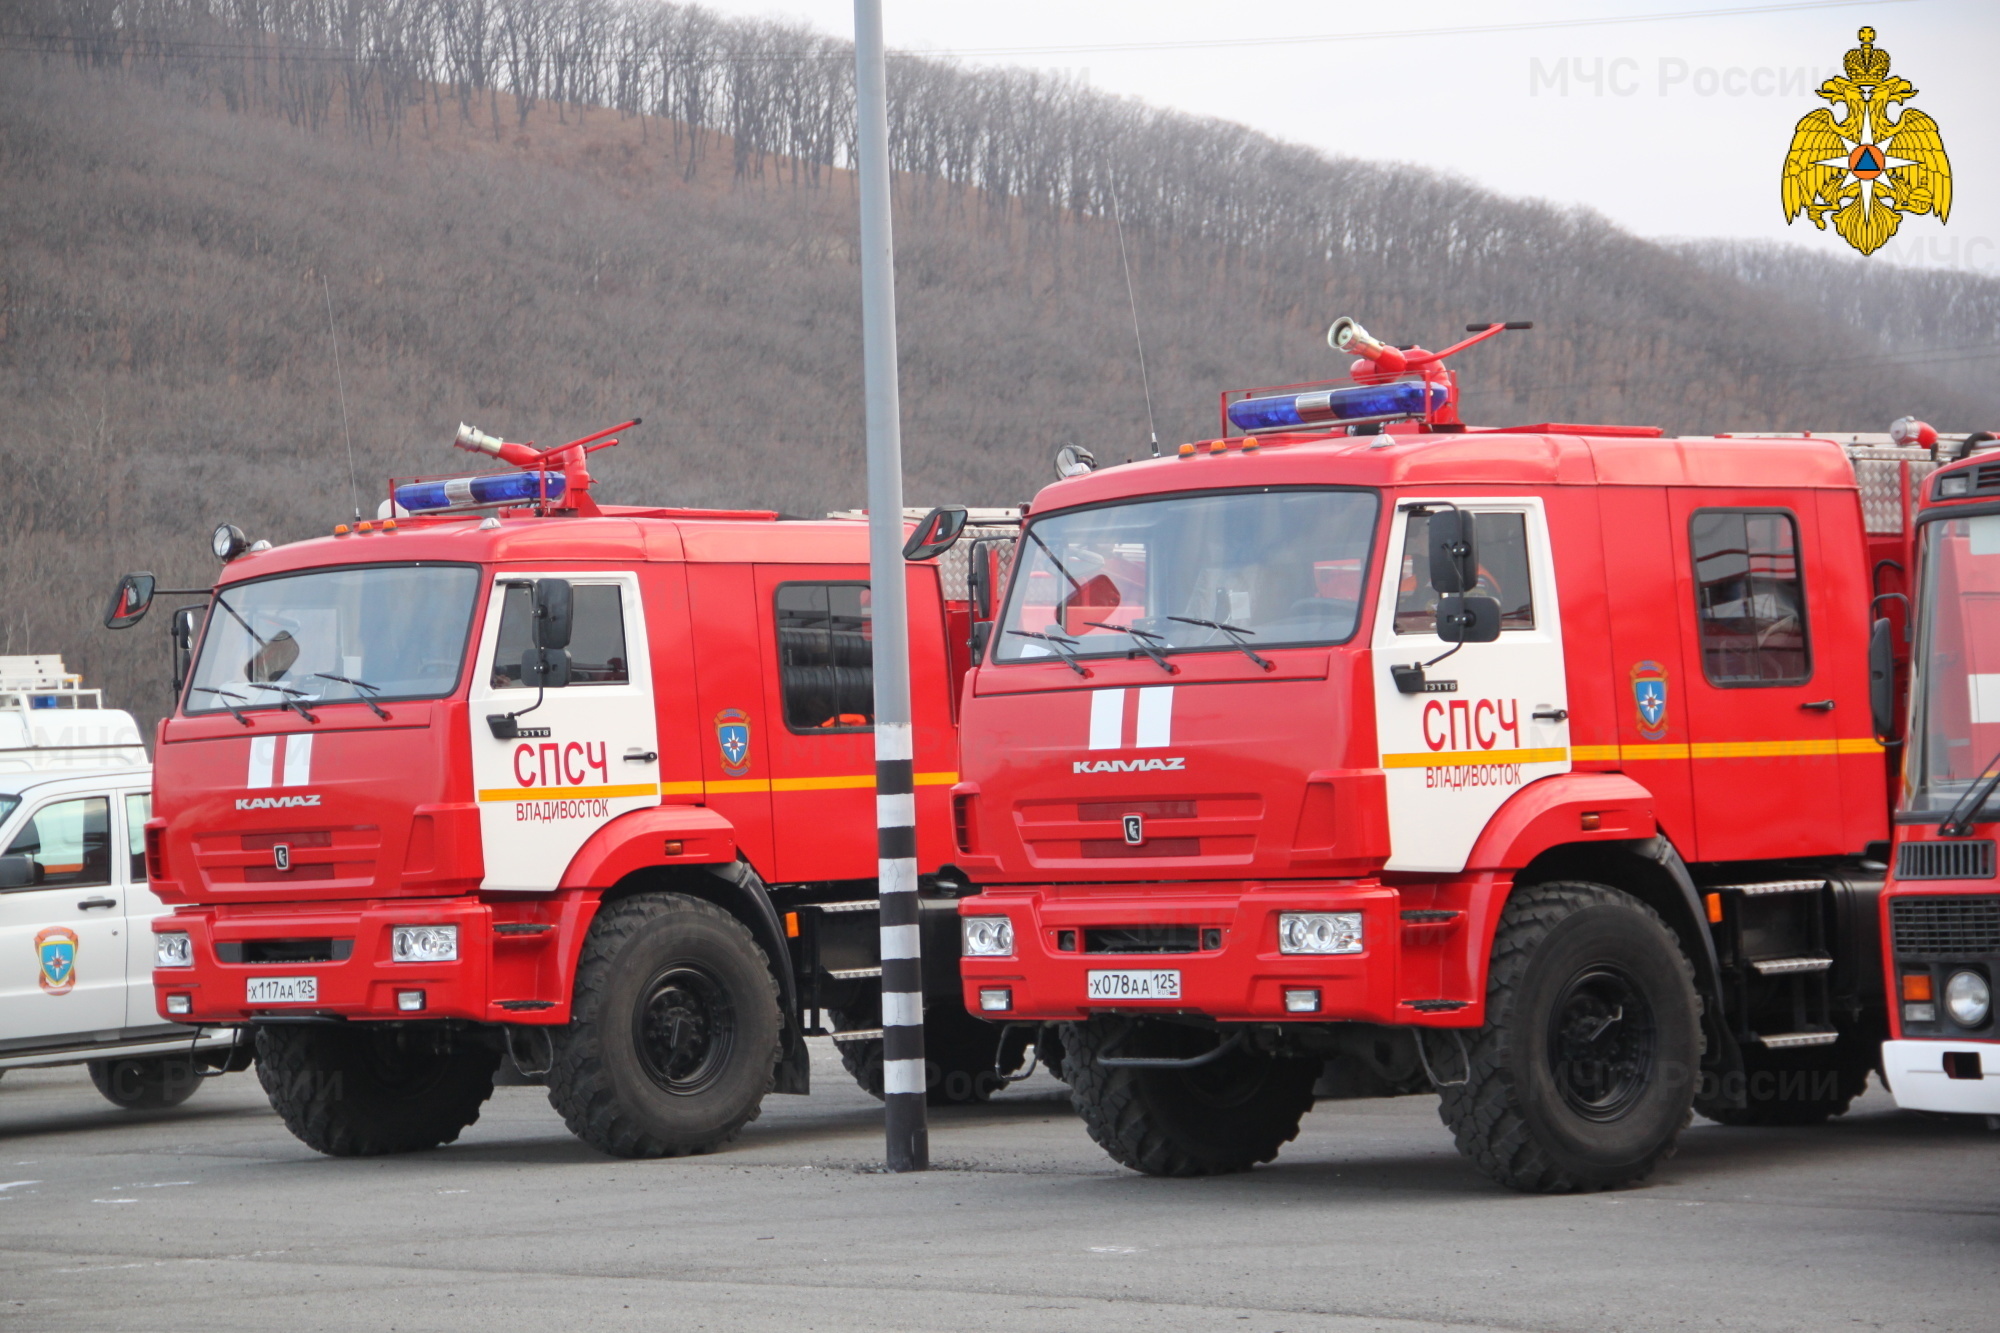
[
  {"x": 1955, "y": 723},
  {"x": 388, "y": 631},
  {"x": 1213, "y": 571}
]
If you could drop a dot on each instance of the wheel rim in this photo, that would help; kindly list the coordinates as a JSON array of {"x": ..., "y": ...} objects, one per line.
[
  {"x": 1602, "y": 1043},
  {"x": 684, "y": 1028}
]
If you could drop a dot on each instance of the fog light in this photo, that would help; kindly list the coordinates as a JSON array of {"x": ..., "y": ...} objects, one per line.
[
  {"x": 987, "y": 936},
  {"x": 1920, "y": 1013},
  {"x": 1319, "y": 932},
  {"x": 172, "y": 949},
  {"x": 1968, "y": 999},
  {"x": 1302, "y": 1001},
  {"x": 423, "y": 944},
  {"x": 180, "y": 1004},
  {"x": 409, "y": 1001},
  {"x": 996, "y": 999}
]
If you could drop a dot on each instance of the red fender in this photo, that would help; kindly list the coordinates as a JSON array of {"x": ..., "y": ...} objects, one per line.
[
  {"x": 646, "y": 838},
  {"x": 1553, "y": 811}
]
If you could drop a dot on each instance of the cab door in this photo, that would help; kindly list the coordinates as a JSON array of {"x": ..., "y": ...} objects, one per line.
[
  {"x": 733, "y": 721},
  {"x": 1494, "y": 716},
  {"x": 1761, "y": 706},
  {"x": 585, "y": 753},
  {"x": 62, "y": 946},
  {"x": 817, "y": 640}
]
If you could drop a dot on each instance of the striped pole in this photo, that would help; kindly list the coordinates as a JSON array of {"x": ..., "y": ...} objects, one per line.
[{"x": 908, "y": 1135}]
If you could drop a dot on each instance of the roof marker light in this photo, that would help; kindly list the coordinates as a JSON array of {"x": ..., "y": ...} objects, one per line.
[
  {"x": 493, "y": 489},
  {"x": 1186, "y": 451},
  {"x": 1332, "y": 407}
]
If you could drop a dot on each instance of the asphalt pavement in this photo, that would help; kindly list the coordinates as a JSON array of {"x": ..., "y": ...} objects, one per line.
[{"x": 212, "y": 1218}]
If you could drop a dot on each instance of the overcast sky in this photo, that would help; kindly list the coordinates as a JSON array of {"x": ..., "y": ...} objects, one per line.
[{"x": 1672, "y": 127}]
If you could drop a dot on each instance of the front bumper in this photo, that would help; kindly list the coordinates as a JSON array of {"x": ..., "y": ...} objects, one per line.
[
  {"x": 1919, "y": 1081},
  {"x": 497, "y": 977},
  {"x": 1411, "y": 969}
]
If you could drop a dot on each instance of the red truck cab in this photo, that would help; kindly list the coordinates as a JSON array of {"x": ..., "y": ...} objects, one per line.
[{"x": 1536, "y": 765}]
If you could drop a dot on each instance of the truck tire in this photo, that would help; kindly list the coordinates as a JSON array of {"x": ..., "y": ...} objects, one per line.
[
  {"x": 146, "y": 1085},
  {"x": 959, "y": 1053},
  {"x": 1216, "y": 1118},
  {"x": 1583, "y": 1076},
  {"x": 368, "y": 1089},
  {"x": 1801, "y": 1086},
  {"x": 674, "y": 1036}
]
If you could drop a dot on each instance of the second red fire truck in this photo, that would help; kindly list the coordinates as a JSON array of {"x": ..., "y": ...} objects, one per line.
[{"x": 1357, "y": 751}]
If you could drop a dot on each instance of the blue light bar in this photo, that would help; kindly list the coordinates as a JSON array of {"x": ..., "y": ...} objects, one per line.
[
  {"x": 1324, "y": 407},
  {"x": 498, "y": 488}
]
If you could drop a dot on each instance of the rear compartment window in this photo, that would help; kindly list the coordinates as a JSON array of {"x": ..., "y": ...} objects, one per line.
[
  {"x": 1750, "y": 600},
  {"x": 1503, "y": 572},
  {"x": 69, "y": 843},
  {"x": 596, "y": 637},
  {"x": 825, "y": 656}
]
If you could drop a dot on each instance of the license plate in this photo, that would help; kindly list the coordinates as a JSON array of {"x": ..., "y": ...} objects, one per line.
[
  {"x": 284, "y": 990},
  {"x": 1161, "y": 985}
]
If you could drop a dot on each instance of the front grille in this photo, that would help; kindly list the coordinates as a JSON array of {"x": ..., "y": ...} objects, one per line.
[
  {"x": 1092, "y": 810},
  {"x": 284, "y": 951},
  {"x": 1956, "y": 859},
  {"x": 1142, "y": 939},
  {"x": 1945, "y": 927},
  {"x": 1986, "y": 477},
  {"x": 264, "y": 842},
  {"x": 1117, "y": 848}
]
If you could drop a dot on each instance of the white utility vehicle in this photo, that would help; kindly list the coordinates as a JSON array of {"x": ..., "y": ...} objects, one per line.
[{"x": 76, "y": 954}]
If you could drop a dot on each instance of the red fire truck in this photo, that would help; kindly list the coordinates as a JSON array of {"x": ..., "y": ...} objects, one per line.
[
  {"x": 1358, "y": 751},
  {"x": 508, "y": 769},
  {"x": 1941, "y": 913}
]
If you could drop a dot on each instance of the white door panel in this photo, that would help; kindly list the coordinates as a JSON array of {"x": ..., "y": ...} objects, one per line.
[
  {"x": 579, "y": 762},
  {"x": 1453, "y": 757},
  {"x": 62, "y": 964}
]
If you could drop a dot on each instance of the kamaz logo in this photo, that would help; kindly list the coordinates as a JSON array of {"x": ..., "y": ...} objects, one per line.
[
  {"x": 1127, "y": 765},
  {"x": 275, "y": 802}
]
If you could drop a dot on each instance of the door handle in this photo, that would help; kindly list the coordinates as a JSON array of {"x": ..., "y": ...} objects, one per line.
[
  {"x": 1819, "y": 705},
  {"x": 1547, "y": 714},
  {"x": 641, "y": 756},
  {"x": 88, "y": 903}
]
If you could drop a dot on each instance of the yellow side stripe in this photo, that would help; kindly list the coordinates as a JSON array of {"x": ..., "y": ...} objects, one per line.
[
  {"x": 1726, "y": 750},
  {"x": 1457, "y": 758},
  {"x": 730, "y": 786}
]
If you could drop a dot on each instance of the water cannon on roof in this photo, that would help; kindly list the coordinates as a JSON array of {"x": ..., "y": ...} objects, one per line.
[
  {"x": 1391, "y": 383},
  {"x": 553, "y": 481}
]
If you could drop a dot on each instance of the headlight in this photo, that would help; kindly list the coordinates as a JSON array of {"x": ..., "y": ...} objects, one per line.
[
  {"x": 1319, "y": 932},
  {"x": 173, "y": 949},
  {"x": 1968, "y": 999},
  {"x": 988, "y": 936},
  {"x": 423, "y": 944}
]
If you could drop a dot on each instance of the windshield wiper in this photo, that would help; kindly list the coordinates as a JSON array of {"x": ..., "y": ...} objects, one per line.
[
  {"x": 1036, "y": 538},
  {"x": 1061, "y": 644},
  {"x": 226, "y": 696},
  {"x": 1958, "y": 824},
  {"x": 291, "y": 697},
  {"x": 1235, "y": 637},
  {"x": 262, "y": 642},
  {"x": 1139, "y": 637},
  {"x": 359, "y": 686}
]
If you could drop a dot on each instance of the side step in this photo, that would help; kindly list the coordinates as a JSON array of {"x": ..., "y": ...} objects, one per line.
[
  {"x": 1777, "y": 967},
  {"x": 1780, "y": 1041}
]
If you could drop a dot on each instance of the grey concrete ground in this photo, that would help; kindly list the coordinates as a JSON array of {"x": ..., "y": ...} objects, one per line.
[{"x": 212, "y": 1218}]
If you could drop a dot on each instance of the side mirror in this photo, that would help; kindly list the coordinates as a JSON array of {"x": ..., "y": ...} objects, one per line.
[
  {"x": 935, "y": 533},
  {"x": 545, "y": 667},
  {"x": 130, "y": 603},
  {"x": 554, "y": 615},
  {"x": 1454, "y": 552},
  {"x": 17, "y": 871},
  {"x": 1467, "y": 617},
  {"x": 982, "y": 631},
  {"x": 1882, "y": 678},
  {"x": 181, "y": 630},
  {"x": 979, "y": 579}
]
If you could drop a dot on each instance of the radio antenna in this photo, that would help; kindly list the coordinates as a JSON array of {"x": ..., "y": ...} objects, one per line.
[
  {"x": 353, "y": 486},
  {"x": 1145, "y": 384}
]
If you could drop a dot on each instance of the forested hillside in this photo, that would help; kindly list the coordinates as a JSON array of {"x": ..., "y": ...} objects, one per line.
[{"x": 187, "y": 231}]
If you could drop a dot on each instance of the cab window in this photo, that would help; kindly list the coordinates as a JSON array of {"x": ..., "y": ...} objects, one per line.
[
  {"x": 1503, "y": 572},
  {"x": 825, "y": 656},
  {"x": 596, "y": 640},
  {"x": 69, "y": 843},
  {"x": 1750, "y": 604},
  {"x": 138, "y": 809}
]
